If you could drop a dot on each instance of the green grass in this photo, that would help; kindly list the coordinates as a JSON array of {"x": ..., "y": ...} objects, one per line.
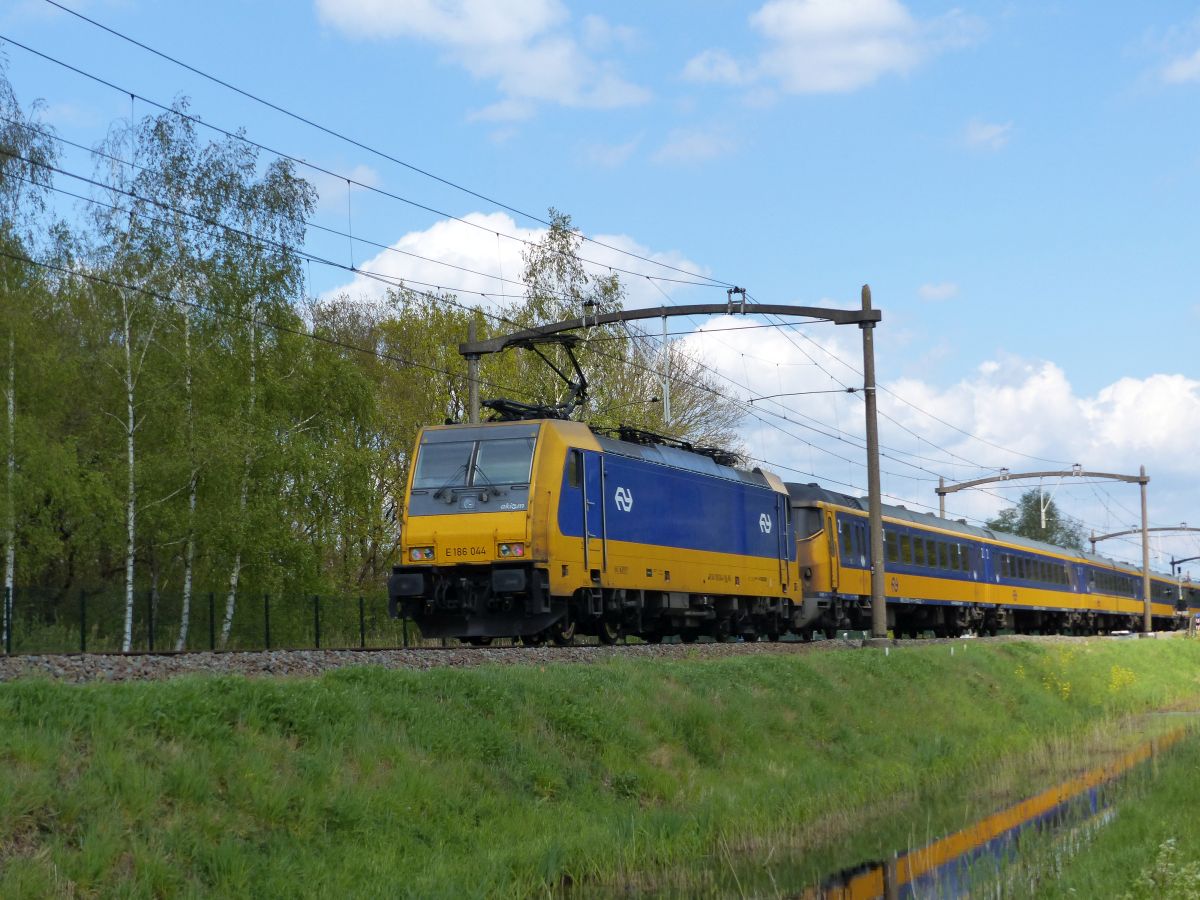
[{"x": 519, "y": 780}]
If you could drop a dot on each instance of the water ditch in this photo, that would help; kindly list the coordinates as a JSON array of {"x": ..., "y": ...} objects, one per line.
[
  {"x": 1003, "y": 854},
  {"x": 974, "y": 860}
]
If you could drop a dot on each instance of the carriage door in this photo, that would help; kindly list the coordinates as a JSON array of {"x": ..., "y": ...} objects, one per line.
[
  {"x": 831, "y": 536},
  {"x": 595, "y": 544},
  {"x": 783, "y": 535}
]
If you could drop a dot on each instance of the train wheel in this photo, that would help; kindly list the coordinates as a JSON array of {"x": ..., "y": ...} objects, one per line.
[
  {"x": 479, "y": 641},
  {"x": 563, "y": 633},
  {"x": 608, "y": 632},
  {"x": 688, "y": 636},
  {"x": 534, "y": 640},
  {"x": 653, "y": 637}
]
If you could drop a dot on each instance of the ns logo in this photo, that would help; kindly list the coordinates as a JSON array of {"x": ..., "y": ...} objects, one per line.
[
  {"x": 764, "y": 523},
  {"x": 623, "y": 498}
]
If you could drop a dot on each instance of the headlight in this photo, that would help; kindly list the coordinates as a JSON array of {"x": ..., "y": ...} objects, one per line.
[
  {"x": 418, "y": 554},
  {"x": 512, "y": 549}
]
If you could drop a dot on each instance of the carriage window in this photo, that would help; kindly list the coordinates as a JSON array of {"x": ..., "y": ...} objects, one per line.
[
  {"x": 906, "y": 549},
  {"x": 574, "y": 458},
  {"x": 808, "y": 522},
  {"x": 943, "y": 556},
  {"x": 893, "y": 546},
  {"x": 919, "y": 551}
]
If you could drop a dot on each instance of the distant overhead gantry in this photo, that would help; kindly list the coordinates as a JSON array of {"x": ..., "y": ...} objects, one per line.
[{"x": 1076, "y": 471}]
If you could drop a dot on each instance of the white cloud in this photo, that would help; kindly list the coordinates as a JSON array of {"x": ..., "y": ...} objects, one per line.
[
  {"x": 693, "y": 146},
  {"x": 987, "y": 135},
  {"x": 599, "y": 35},
  {"x": 714, "y": 66},
  {"x": 524, "y": 46},
  {"x": 827, "y": 46},
  {"x": 1182, "y": 70},
  {"x": 331, "y": 190},
  {"x": 609, "y": 156},
  {"x": 942, "y": 290},
  {"x": 427, "y": 259}
]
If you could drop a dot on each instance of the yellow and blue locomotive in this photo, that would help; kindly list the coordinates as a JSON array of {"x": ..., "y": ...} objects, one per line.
[{"x": 541, "y": 529}]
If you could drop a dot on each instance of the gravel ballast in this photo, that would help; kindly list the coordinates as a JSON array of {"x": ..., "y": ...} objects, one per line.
[{"x": 77, "y": 668}]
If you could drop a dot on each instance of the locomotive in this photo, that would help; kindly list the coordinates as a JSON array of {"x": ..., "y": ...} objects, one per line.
[
  {"x": 541, "y": 529},
  {"x": 544, "y": 529}
]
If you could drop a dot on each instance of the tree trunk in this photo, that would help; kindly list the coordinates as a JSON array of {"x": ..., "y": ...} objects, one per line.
[
  {"x": 235, "y": 573},
  {"x": 131, "y": 497},
  {"x": 189, "y": 553},
  {"x": 10, "y": 530}
]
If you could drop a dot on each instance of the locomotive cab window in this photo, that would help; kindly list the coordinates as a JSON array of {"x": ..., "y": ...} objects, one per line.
[
  {"x": 482, "y": 463},
  {"x": 443, "y": 465},
  {"x": 505, "y": 461}
]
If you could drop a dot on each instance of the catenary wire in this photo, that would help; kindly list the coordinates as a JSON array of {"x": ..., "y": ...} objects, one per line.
[
  {"x": 363, "y": 146},
  {"x": 339, "y": 176},
  {"x": 936, "y": 418},
  {"x": 307, "y": 222},
  {"x": 400, "y": 283},
  {"x": 220, "y": 225}
]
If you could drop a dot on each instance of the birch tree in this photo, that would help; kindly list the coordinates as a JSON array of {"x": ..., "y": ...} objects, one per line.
[
  {"x": 272, "y": 211},
  {"x": 26, "y": 149}
]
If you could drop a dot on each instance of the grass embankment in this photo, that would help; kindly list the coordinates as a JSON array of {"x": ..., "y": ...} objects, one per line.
[{"x": 517, "y": 780}]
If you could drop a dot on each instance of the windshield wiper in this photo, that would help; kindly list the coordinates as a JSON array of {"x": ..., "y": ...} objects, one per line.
[
  {"x": 437, "y": 495},
  {"x": 492, "y": 487}
]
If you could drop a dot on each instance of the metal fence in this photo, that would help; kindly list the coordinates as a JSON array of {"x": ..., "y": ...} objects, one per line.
[{"x": 81, "y": 621}]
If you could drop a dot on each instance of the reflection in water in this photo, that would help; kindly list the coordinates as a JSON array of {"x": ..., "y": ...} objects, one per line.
[{"x": 945, "y": 867}]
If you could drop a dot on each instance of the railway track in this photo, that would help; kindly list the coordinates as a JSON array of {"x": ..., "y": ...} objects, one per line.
[{"x": 82, "y": 668}]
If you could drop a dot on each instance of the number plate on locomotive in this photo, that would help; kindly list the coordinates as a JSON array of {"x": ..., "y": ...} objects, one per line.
[{"x": 467, "y": 552}]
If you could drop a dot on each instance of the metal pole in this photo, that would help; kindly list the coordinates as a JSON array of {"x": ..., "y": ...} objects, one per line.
[
  {"x": 1147, "y": 626},
  {"x": 472, "y": 378},
  {"x": 941, "y": 497},
  {"x": 874, "y": 499},
  {"x": 267, "y": 621},
  {"x": 666, "y": 381}
]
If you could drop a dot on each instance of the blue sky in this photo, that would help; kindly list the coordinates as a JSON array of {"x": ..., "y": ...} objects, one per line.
[{"x": 1017, "y": 181}]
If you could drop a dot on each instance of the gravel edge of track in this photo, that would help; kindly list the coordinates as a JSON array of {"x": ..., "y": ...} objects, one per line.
[{"x": 81, "y": 669}]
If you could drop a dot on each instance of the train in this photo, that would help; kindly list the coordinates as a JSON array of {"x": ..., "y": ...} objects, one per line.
[{"x": 545, "y": 529}]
